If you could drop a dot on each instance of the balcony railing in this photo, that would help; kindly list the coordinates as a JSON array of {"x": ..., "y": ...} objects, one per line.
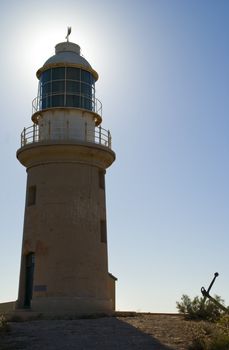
[
  {"x": 35, "y": 133},
  {"x": 63, "y": 99}
]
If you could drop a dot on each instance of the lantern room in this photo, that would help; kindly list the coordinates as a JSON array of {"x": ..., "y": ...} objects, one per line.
[{"x": 66, "y": 106}]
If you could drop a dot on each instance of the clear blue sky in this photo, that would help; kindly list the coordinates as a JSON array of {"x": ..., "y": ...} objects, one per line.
[{"x": 164, "y": 79}]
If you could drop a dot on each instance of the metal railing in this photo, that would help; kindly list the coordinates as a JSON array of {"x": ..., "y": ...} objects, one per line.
[
  {"x": 50, "y": 132},
  {"x": 60, "y": 99}
]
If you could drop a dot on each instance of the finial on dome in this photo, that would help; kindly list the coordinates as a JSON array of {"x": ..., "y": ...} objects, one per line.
[{"x": 68, "y": 33}]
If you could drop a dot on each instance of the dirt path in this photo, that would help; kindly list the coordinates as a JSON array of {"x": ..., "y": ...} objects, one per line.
[{"x": 141, "y": 332}]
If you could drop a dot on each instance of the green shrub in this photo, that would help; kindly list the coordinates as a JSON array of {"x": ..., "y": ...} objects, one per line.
[
  {"x": 219, "y": 342},
  {"x": 195, "y": 309},
  {"x": 216, "y": 342},
  {"x": 201, "y": 333},
  {"x": 223, "y": 324},
  {"x": 211, "y": 336}
]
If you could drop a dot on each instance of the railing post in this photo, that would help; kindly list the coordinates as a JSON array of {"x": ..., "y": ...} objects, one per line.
[
  {"x": 34, "y": 130},
  {"x": 109, "y": 139},
  {"x": 38, "y": 133},
  {"x": 39, "y": 104},
  {"x": 100, "y": 134},
  {"x": 24, "y": 141}
]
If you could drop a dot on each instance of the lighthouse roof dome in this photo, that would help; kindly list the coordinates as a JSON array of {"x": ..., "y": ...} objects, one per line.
[{"x": 67, "y": 52}]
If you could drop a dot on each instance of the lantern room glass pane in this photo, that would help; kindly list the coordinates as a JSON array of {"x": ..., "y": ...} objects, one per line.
[
  {"x": 46, "y": 89},
  {"x": 86, "y": 103},
  {"x": 73, "y": 73},
  {"x": 86, "y": 89},
  {"x": 46, "y": 76},
  {"x": 57, "y": 101},
  {"x": 73, "y": 87},
  {"x": 72, "y": 101},
  {"x": 86, "y": 76},
  {"x": 46, "y": 101},
  {"x": 58, "y": 86},
  {"x": 58, "y": 73}
]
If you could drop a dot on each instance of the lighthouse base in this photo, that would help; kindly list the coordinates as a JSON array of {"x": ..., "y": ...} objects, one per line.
[
  {"x": 71, "y": 305},
  {"x": 63, "y": 307}
]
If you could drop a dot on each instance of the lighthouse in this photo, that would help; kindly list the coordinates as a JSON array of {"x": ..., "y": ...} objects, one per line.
[{"x": 64, "y": 259}]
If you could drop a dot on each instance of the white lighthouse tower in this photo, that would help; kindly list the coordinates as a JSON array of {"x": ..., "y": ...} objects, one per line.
[{"x": 64, "y": 263}]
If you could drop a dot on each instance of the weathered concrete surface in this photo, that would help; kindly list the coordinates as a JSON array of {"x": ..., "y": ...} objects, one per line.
[
  {"x": 7, "y": 307},
  {"x": 65, "y": 229},
  {"x": 88, "y": 334}
]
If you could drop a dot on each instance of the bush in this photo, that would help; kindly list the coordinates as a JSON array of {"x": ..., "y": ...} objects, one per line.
[
  {"x": 198, "y": 344},
  {"x": 201, "y": 335},
  {"x": 219, "y": 342},
  {"x": 223, "y": 324},
  {"x": 211, "y": 336},
  {"x": 197, "y": 310}
]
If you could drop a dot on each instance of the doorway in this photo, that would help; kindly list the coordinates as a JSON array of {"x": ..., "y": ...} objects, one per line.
[{"x": 29, "y": 272}]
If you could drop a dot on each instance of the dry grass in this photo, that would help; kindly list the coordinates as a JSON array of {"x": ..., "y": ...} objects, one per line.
[{"x": 171, "y": 330}]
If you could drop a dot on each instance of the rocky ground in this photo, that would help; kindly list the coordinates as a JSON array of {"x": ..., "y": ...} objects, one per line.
[{"x": 142, "y": 332}]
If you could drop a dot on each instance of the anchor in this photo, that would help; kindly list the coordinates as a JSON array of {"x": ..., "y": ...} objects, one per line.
[{"x": 206, "y": 295}]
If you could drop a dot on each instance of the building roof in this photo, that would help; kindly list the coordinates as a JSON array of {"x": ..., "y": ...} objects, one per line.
[{"x": 67, "y": 52}]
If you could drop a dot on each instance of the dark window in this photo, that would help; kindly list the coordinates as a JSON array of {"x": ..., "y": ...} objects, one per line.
[
  {"x": 86, "y": 89},
  {"x": 31, "y": 200},
  {"x": 73, "y": 101},
  {"x": 58, "y": 73},
  {"x": 86, "y": 76},
  {"x": 29, "y": 272},
  {"x": 73, "y": 87},
  {"x": 57, "y": 101},
  {"x": 73, "y": 74},
  {"x": 46, "y": 101},
  {"x": 70, "y": 87},
  {"x": 102, "y": 179},
  {"x": 86, "y": 102},
  {"x": 46, "y": 89},
  {"x": 40, "y": 288},
  {"x": 103, "y": 231},
  {"x": 46, "y": 76},
  {"x": 58, "y": 86}
]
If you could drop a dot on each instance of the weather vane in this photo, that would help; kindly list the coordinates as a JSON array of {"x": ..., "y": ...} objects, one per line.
[{"x": 68, "y": 33}]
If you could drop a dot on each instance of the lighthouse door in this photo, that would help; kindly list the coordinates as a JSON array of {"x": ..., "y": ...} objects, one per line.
[{"x": 30, "y": 261}]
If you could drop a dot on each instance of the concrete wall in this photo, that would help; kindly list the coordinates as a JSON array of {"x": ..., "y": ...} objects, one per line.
[
  {"x": 112, "y": 289},
  {"x": 7, "y": 307},
  {"x": 63, "y": 228}
]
